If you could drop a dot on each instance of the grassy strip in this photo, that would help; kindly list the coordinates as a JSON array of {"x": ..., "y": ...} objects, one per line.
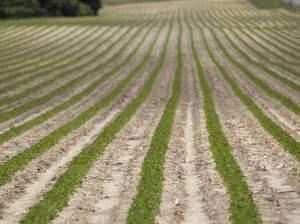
[
  {"x": 273, "y": 4},
  {"x": 259, "y": 28},
  {"x": 13, "y": 51},
  {"x": 56, "y": 51},
  {"x": 265, "y": 58},
  {"x": 42, "y": 50},
  {"x": 285, "y": 36},
  {"x": 289, "y": 35},
  {"x": 60, "y": 53},
  {"x": 242, "y": 207},
  {"x": 67, "y": 68},
  {"x": 101, "y": 20},
  {"x": 242, "y": 19},
  {"x": 15, "y": 54},
  {"x": 59, "y": 49},
  {"x": 20, "y": 160},
  {"x": 62, "y": 74},
  {"x": 18, "y": 33},
  {"x": 272, "y": 73},
  {"x": 134, "y": 23},
  {"x": 289, "y": 22},
  {"x": 282, "y": 40},
  {"x": 293, "y": 33},
  {"x": 266, "y": 4},
  {"x": 225, "y": 19},
  {"x": 9, "y": 33},
  {"x": 287, "y": 102},
  {"x": 146, "y": 203},
  {"x": 42, "y": 100},
  {"x": 57, "y": 198},
  {"x": 284, "y": 139},
  {"x": 76, "y": 55},
  {"x": 15, "y": 131},
  {"x": 34, "y": 36},
  {"x": 75, "y": 61},
  {"x": 275, "y": 75},
  {"x": 282, "y": 58},
  {"x": 289, "y": 53}
]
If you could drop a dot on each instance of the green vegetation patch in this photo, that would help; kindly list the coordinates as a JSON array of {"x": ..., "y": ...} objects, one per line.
[
  {"x": 284, "y": 139},
  {"x": 267, "y": 4},
  {"x": 20, "y": 160},
  {"x": 287, "y": 102},
  {"x": 74, "y": 57},
  {"x": 146, "y": 203},
  {"x": 67, "y": 86},
  {"x": 283, "y": 66},
  {"x": 242, "y": 207},
  {"x": 274, "y": 4},
  {"x": 58, "y": 197}
]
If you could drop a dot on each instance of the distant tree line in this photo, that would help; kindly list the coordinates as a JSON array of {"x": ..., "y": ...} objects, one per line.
[{"x": 30, "y": 8}]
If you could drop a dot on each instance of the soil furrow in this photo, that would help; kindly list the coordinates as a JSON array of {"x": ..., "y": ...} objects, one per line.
[
  {"x": 85, "y": 92},
  {"x": 39, "y": 64},
  {"x": 57, "y": 82},
  {"x": 69, "y": 71},
  {"x": 260, "y": 158},
  {"x": 55, "y": 161},
  {"x": 26, "y": 140},
  {"x": 282, "y": 66},
  {"x": 41, "y": 103},
  {"x": 108, "y": 188},
  {"x": 82, "y": 163},
  {"x": 266, "y": 71},
  {"x": 189, "y": 167},
  {"x": 22, "y": 55},
  {"x": 35, "y": 34},
  {"x": 255, "y": 150},
  {"x": 274, "y": 109},
  {"x": 259, "y": 39},
  {"x": 20, "y": 49}
]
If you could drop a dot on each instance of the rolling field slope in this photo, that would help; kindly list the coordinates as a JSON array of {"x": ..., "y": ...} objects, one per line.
[{"x": 159, "y": 112}]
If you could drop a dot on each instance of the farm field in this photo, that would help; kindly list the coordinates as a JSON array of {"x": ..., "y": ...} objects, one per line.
[{"x": 159, "y": 112}]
